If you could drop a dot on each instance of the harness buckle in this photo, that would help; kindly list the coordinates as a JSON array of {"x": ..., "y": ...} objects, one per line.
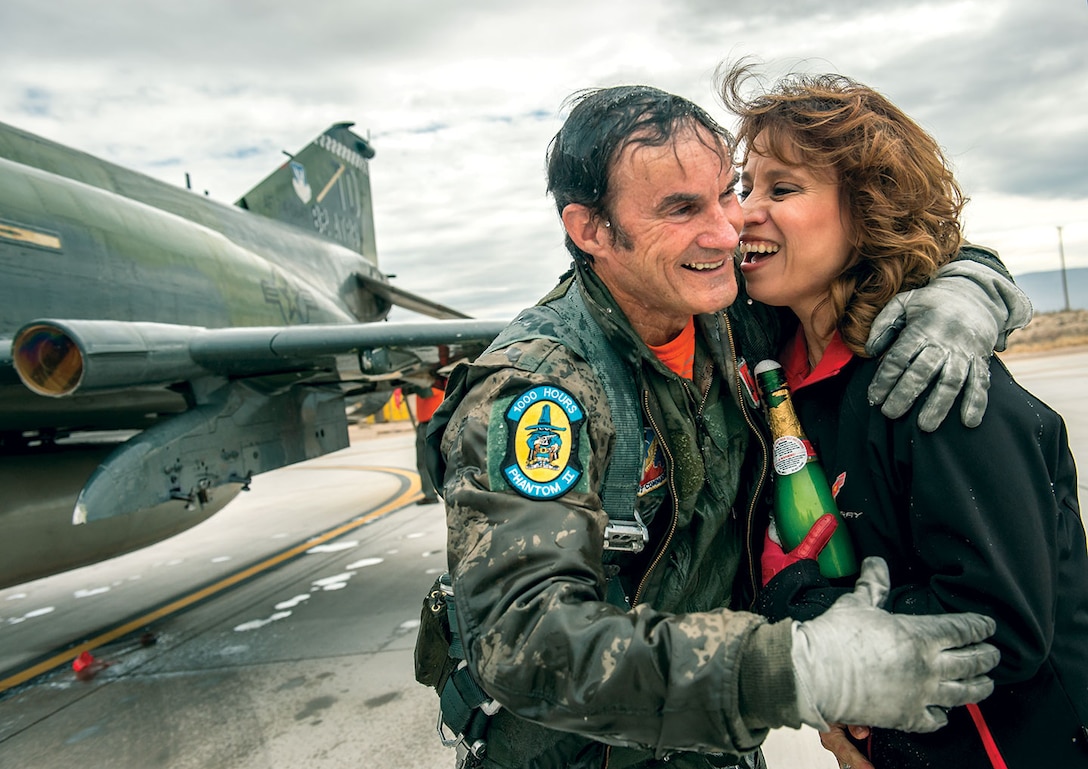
[
  {"x": 625, "y": 536},
  {"x": 460, "y": 742},
  {"x": 451, "y": 741}
]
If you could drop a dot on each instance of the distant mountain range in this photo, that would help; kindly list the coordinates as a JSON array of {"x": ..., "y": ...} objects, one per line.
[{"x": 1045, "y": 289}]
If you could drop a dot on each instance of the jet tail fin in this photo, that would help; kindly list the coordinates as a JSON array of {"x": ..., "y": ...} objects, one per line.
[{"x": 325, "y": 187}]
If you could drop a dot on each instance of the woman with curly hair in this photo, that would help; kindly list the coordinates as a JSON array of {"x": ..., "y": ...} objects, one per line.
[{"x": 847, "y": 202}]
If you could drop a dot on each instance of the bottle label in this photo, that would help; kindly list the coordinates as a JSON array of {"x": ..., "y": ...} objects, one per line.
[{"x": 790, "y": 455}]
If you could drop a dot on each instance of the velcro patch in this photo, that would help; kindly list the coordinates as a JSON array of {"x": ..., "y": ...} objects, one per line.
[{"x": 543, "y": 428}]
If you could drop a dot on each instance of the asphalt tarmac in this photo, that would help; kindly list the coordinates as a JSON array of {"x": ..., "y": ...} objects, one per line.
[{"x": 280, "y": 632}]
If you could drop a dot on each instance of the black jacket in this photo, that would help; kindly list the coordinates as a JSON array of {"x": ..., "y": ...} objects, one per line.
[{"x": 985, "y": 520}]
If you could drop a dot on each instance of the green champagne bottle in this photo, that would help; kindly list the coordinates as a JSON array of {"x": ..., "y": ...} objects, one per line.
[{"x": 801, "y": 491}]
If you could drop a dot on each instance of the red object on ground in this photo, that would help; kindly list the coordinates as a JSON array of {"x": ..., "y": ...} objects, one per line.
[
  {"x": 87, "y": 666},
  {"x": 82, "y": 662}
]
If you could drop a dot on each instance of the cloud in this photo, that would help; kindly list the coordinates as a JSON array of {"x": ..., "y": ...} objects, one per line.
[{"x": 461, "y": 99}]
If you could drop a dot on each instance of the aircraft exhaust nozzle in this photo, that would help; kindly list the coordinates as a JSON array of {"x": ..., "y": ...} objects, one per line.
[
  {"x": 47, "y": 360},
  {"x": 58, "y": 358}
]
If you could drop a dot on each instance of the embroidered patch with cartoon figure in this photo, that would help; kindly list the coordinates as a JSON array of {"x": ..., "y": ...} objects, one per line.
[{"x": 542, "y": 434}]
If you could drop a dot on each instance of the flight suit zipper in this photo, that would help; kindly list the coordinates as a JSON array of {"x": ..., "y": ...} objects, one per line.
[
  {"x": 670, "y": 463},
  {"x": 757, "y": 492}
]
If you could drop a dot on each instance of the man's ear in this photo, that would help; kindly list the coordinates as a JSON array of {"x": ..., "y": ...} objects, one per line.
[{"x": 586, "y": 229}]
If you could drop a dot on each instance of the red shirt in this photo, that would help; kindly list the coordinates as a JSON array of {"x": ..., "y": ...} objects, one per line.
[{"x": 795, "y": 360}]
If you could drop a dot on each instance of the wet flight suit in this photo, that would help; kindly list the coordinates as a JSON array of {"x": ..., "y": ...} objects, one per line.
[{"x": 683, "y": 674}]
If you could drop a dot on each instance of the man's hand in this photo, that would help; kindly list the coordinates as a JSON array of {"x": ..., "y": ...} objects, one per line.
[
  {"x": 775, "y": 559},
  {"x": 845, "y": 752},
  {"x": 949, "y": 330},
  {"x": 858, "y": 664}
]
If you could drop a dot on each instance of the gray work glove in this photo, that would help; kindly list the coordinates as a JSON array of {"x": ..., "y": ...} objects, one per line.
[
  {"x": 858, "y": 664},
  {"x": 949, "y": 330}
]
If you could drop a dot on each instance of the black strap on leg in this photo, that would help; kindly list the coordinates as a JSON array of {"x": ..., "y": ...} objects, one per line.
[
  {"x": 464, "y": 708},
  {"x": 461, "y": 699}
]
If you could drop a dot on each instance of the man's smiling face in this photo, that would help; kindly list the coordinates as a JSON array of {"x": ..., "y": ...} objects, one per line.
[{"x": 675, "y": 219}]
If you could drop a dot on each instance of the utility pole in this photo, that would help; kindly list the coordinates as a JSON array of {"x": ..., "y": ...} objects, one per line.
[{"x": 1061, "y": 256}]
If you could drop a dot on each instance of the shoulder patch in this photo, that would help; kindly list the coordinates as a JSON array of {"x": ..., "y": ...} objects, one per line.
[{"x": 542, "y": 434}]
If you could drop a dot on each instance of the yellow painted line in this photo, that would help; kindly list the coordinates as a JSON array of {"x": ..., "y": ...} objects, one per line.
[
  {"x": 67, "y": 656},
  {"x": 34, "y": 237},
  {"x": 321, "y": 195}
]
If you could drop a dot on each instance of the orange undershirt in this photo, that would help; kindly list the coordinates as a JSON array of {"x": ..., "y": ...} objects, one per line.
[{"x": 679, "y": 354}]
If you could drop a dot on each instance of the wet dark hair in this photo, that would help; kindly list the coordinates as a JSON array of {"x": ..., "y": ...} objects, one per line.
[{"x": 601, "y": 124}]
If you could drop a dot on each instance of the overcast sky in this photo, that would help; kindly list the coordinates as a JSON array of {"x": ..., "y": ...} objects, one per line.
[{"x": 461, "y": 98}]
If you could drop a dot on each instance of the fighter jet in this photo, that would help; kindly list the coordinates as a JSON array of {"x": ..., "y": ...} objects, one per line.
[{"x": 159, "y": 349}]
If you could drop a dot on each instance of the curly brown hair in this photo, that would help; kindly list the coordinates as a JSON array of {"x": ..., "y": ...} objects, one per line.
[{"x": 896, "y": 187}]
